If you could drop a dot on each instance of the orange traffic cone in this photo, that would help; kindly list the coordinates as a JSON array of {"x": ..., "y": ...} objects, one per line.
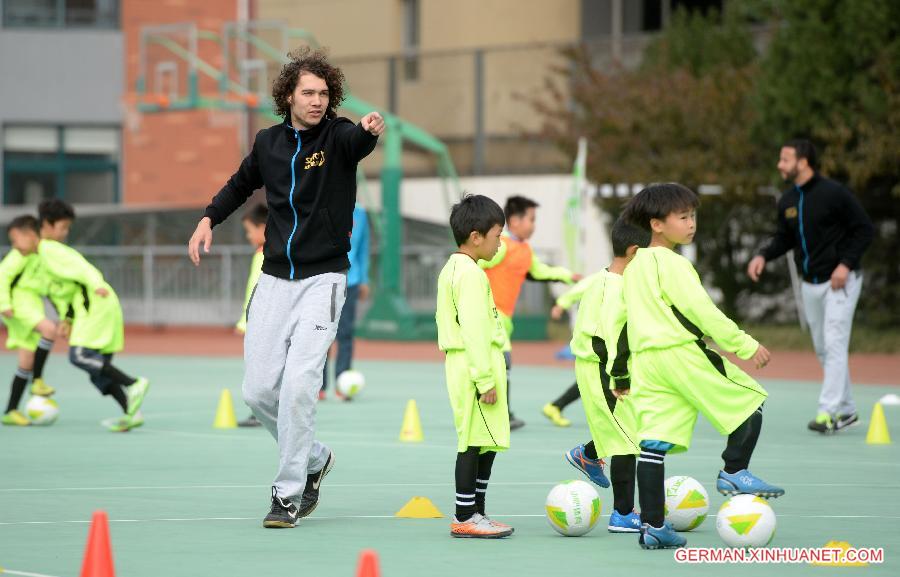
[
  {"x": 368, "y": 564},
  {"x": 98, "y": 561}
]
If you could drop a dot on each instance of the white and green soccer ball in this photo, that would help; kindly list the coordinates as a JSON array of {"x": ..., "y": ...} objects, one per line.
[
  {"x": 573, "y": 508},
  {"x": 746, "y": 521},
  {"x": 350, "y": 383},
  {"x": 42, "y": 410},
  {"x": 687, "y": 503}
]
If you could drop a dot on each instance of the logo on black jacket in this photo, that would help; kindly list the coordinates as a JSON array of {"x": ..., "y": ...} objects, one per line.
[{"x": 317, "y": 159}]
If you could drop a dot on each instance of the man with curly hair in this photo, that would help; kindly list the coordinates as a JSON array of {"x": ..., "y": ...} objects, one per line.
[{"x": 307, "y": 165}]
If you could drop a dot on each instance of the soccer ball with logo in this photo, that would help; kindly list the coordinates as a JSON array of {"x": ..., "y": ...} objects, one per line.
[
  {"x": 573, "y": 508},
  {"x": 687, "y": 503},
  {"x": 41, "y": 410},
  {"x": 350, "y": 383},
  {"x": 746, "y": 521}
]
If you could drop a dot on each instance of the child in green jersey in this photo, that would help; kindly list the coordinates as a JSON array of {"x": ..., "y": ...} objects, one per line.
[
  {"x": 564, "y": 302},
  {"x": 254, "y": 222},
  {"x": 470, "y": 333},
  {"x": 23, "y": 285},
  {"x": 91, "y": 314},
  {"x": 600, "y": 345},
  {"x": 675, "y": 375}
]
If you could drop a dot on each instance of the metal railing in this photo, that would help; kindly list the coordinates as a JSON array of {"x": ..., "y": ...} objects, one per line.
[{"x": 158, "y": 285}]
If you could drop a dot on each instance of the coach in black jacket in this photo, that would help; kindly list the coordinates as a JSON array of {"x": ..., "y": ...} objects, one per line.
[
  {"x": 308, "y": 167},
  {"x": 829, "y": 231}
]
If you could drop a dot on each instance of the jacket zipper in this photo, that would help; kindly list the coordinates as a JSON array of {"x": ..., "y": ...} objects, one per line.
[
  {"x": 802, "y": 235},
  {"x": 291, "y": 202}
]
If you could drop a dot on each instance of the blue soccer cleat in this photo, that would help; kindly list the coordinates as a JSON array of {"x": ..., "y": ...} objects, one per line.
[
  {"x": 630, "y": 523},
  {"x": 593, "y": 468},
  {"x": 664, "y": 537},
  {"x": 745, "y": 482}
]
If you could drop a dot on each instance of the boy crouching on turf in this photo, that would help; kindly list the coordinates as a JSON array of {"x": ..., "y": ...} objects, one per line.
[
  {"x": 674, "y": 374},
  {"x": 470, "y": 333}
]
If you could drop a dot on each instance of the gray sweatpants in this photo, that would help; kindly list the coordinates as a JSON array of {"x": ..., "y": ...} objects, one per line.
[
  {"x": 830, "y": 317},
  {"x": 290, "y": 326}
]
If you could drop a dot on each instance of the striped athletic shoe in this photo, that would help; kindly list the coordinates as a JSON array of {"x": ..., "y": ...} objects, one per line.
[
  {"x": 309, "y": 500},
  {"x": 499, "y": 524},
  {"x": 40, "y": 388},
  {"x": 619, "y": 523},
  {"x": 478, "y": 527},
  {"x": 282, "y": 515},
  {"x": 125, "y": 423},
  {"x": 136, "y": 393},
  {"x": 663, "y": 537},
  {"x": 15, "y": 419},
  {"x": 553, "y": 413},
  {"x": 745, "y": 482},
  {"x": 593, "y": 468}
]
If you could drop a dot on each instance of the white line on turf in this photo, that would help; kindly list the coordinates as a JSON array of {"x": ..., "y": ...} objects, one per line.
[
  {"x": 396, "y": 444},
  {"x": 339, "y": 517},
  {"x": 358, "y": 485},
  {"x": 4, "y": 571}
]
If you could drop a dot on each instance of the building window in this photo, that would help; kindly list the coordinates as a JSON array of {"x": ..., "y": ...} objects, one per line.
[
  {"x": 61, "y": 13},
  {"x": 411, "y": 39},
  {"x": 77, "y": 163}
]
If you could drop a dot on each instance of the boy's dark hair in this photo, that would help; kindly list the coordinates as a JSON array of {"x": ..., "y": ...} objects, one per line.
[
  {"x": 625, "y": 234},
  {"x": 474, "y": 213},
  {"x": 258, "y": 215},
  {"x": 804, "y": 149},
  {"x": 24, "y": 222},
  {"x": 658, "y": 201},
  {"x": 518, "y": 206},
  {"x": 54, "y": 210},
  {"x": 316, "y": 63}
]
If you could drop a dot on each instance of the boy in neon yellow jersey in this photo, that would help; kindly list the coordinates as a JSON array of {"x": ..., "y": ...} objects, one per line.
[
  {"x": 675, "y": 375},
  {"x": 23, "y": 285},
  {"x": 564, "y": 302},
  {"x": 515, "y": 262},
  {"x": 600, "y": 346},
  {"x": 470, "y": 333},
  {"x": 91, "y": 314},
  {"x": 254, "y": 223}
]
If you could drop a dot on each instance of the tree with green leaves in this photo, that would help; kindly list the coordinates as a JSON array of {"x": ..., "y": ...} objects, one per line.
[{"x": 709, "y": 106}]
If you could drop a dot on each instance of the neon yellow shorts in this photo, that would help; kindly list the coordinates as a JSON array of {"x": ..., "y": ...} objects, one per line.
[
  {"x": 671, "y": 386},
  {"x": 28, "y": 311},
  {"x": 477, "y": 424},
  {"x": 614, "y": 432},
  {"x": 99, "y": 327}
]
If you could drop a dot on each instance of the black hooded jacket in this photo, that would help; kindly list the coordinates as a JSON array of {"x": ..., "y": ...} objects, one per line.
[
  {"x": 825, "y": 225},
  {"x": 310, "y": 181}
]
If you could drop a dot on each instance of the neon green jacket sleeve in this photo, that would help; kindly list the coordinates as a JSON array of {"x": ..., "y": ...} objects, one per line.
[
  {"x": 11, "y": 266},
  {"x": 467, "y": 318},
  {"x": 498, "y": 258},
  {"x": 541, "y": 271},
  {"x": 66, "y": 263},
  {"x": 255, "y": 272},
  {"x": 477, "y": 318},
  {"x": 681, "y": 286},
  {"x": 577, "y": 292}
]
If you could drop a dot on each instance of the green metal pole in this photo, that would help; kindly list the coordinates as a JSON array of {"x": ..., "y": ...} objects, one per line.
[{"x": 391, "y": 240}]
